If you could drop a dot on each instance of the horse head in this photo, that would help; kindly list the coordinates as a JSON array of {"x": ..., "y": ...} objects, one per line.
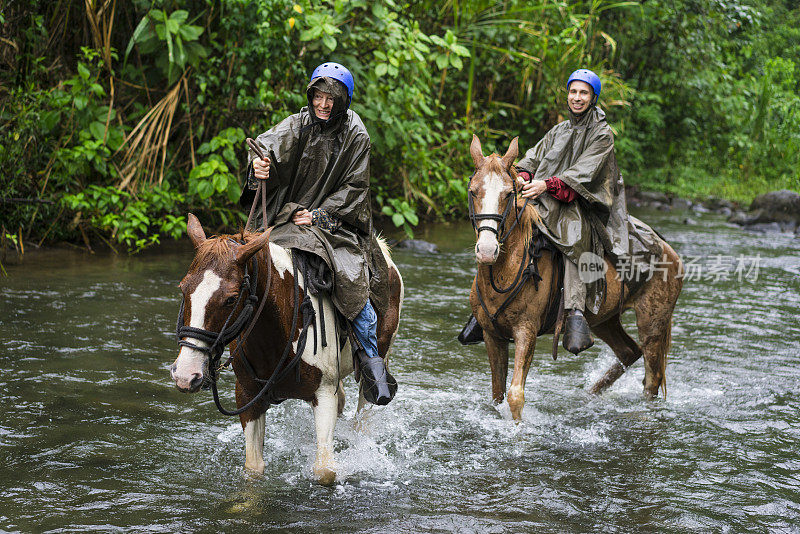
[
  {"x": 213, "y": 293},
  {"x": 492, "y": 196}
]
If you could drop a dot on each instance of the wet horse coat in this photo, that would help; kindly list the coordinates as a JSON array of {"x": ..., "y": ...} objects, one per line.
[
  {"x": 210, "y": 289},
  {"x": 491, "y": 189}
]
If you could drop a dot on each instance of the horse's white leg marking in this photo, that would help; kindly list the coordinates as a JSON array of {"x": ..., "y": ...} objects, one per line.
[
  {"x": 325, "y": 413},
  {"x": 254, "y": 444},
  {"x": 281, "y": 259},
  {"x": 191, "y": 362},
  {"x": 486, "y": 247}
]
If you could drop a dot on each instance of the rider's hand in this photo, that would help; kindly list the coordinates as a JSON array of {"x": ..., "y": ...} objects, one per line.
[
  {"x": 261, "y": 168},
  {"x": 533, "y": 188},
  {"x": 302, "y": 217}
]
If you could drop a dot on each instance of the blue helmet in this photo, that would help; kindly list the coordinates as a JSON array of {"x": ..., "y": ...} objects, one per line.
[
  {"x": 587, "y": 76},
  {"x": 337, "y": 72}
]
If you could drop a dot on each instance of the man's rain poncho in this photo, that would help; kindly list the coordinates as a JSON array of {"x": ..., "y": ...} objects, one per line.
[
  {"x": 580, "y": 151},
  {"x": 325, "y": 164}
]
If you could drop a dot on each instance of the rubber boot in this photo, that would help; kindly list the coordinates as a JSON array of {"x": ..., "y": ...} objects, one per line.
[
  {"x": 577, "y": 336},
  {"x": 472, "y": 333},
  {"x": 377, "y": 384}
]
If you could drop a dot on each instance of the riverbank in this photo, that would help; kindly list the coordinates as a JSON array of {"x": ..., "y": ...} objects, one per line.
[{"x": 735, "y": 212}]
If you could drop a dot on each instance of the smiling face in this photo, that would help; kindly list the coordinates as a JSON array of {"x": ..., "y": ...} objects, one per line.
[
  {"x": 322, "y": 104},
  {"x": 579, "y": 96}
]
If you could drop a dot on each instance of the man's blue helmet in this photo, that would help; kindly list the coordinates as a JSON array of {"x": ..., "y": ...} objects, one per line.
[
  {"x": 337, "y": 72},
  {"x": 587, "y": 76}
]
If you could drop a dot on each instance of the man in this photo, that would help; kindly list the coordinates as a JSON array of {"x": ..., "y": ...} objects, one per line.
[
  {"x": 573, "y": 174},
  {"x": 316, "y": 171}
]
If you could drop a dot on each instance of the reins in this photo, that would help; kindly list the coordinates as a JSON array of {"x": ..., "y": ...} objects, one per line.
[{"x": 217, "y": 341}]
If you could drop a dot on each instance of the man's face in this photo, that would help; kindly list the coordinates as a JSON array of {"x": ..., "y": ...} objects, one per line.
[
  {"x": 322, "y": 104},
  {"x": 579, "y": 96}
]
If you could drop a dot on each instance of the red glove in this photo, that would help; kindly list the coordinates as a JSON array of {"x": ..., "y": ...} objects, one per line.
[{"x": 525, "y": 175}]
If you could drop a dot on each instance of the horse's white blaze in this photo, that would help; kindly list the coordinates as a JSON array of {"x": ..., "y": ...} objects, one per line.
[
  {"x": 280, "y": 259},
  {"x": 492, "y": 187},
  {"x": 191, "y": 361}
]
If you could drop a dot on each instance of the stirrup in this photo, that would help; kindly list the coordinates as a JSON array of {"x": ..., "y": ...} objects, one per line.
[
  {"x": 377, "y": 385},
  {"x": 577, "y": 335}
]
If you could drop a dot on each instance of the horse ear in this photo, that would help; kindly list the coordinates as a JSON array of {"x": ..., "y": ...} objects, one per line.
[
  {"x": 247, "y": 250},
  {"x": 476, "y": 151},
  {"x": 511, "y": 153},
  {"x": 195, "y": 231}
]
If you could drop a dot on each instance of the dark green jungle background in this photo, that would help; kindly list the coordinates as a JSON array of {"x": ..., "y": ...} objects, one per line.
[{"x": 118, "y": 117}]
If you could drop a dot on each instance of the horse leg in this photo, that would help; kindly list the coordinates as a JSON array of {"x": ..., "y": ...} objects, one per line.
[
  {"x": 524, "y": 343},
  {"x": 654, "y": 318},
  {"x": 497, "y": 350},
  {"x": 625, "y": 348},
  {"x": 325, "y": 414},
  {"x": 253, "y": 423}
]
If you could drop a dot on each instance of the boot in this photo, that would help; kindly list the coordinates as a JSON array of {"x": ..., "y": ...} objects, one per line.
[
  {"x": 577, "y": 336},
  {"x": 472, "y": 333},
  {"x": 377, "y": 384}
]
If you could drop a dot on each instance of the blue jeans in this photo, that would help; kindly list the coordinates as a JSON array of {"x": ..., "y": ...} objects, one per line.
[{"x": 365, "y": 326}]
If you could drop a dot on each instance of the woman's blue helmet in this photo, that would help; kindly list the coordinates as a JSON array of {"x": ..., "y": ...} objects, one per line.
[
  {"x": 337, "y": 72},
  {"x": 587, "y": 76}
]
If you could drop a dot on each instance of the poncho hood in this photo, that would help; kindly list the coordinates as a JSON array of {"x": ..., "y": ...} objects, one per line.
[{"x": 334, "y": 88}]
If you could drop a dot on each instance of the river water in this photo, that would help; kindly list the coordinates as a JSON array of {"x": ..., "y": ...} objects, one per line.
[{"x": 94, "y": 436}]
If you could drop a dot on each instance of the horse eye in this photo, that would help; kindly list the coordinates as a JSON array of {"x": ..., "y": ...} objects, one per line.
[{"x": 230, "y": 301}]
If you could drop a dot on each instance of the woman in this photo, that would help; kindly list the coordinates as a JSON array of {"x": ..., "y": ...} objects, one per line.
[{"x": 316, "y": 171}]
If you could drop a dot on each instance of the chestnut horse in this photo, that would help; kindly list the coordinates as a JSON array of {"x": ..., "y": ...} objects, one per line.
[
  {"x": 213, "y": 289},
  {"x": 491, "y": 188}
]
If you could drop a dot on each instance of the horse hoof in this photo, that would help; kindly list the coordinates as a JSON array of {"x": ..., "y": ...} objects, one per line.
[
  {"x": 325, "y": 476},
  {"x": 254, "y": 469}
]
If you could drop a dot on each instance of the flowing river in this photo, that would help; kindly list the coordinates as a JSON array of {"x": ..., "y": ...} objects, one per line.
[{"x": 94, "y": 436}]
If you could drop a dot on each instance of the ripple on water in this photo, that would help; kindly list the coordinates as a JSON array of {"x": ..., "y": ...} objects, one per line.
[{"x": 94, "y": 437}]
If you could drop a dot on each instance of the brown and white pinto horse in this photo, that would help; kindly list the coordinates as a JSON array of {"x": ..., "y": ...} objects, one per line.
[
  {"x": 491, "y": 188},
  {"x": 210, "y": 290}
]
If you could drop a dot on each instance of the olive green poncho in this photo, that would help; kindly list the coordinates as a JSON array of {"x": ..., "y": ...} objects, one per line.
[
  {"x": 580, "y": 151},
  {"x": 316, "y": 164}
]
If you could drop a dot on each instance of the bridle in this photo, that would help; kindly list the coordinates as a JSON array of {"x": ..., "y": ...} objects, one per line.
[
  {"x": 511, "y": 201},
  {"x": 528, "y": 268}
]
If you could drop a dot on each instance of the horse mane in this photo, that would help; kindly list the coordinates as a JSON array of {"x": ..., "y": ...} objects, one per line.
[
  {"x": 219, "y": 247},
  {"x": 529, "y": 220},
  {"x": 529, "y": 217}
]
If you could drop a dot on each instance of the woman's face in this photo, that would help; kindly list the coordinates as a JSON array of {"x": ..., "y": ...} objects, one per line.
[
  {"x": 579, "y": 96},
  {"x": 322, "y": 104}
]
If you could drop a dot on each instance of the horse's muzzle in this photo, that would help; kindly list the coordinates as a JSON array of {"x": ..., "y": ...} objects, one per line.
[
  {"x": 187, "y": 381},
  {"x": 486, "y": 253}
]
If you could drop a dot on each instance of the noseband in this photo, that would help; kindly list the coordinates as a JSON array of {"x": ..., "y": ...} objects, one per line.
[{"x": 476, "y": 218}]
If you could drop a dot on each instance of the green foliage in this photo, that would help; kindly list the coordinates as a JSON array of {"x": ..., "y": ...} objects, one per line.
[
  {"x": 703, "y": 96},
  {"x": 133, "y": 222},
  {"x": 213, "y": 176},
  {"x": 717, "y": 97},
  {"x": 158, "y": 29}
]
